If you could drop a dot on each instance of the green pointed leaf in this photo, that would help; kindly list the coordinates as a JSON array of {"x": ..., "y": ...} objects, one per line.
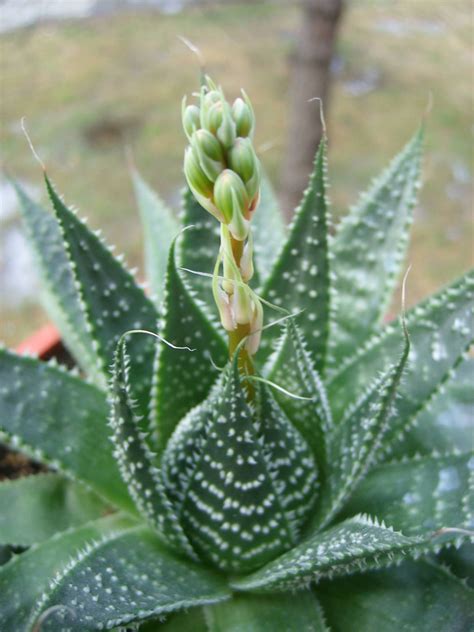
[
  {"x": 460, "y": 561},
  {"x": 420, "y": 495},
  {"x": 58, "y": 419},
  {"x": 269, "y": 229},
  {"x": 127, "y": 577},
  {"x": 25, "y": 577},
  {"x": 59, "y": 294},
  {"x": 300, "y": 276},
  {"x": 357, "y": 441},
  {"x": 36, "y": 507},
  {"x": 369, "y": 249},
  {"x": 111, "y": 300},
  {"x": 183, "y": 379},
  {"x": 440, "y": 331},
  {"x": 136, "y": 461},
  {"x": 298, "y": 612},
  {"x": 351, "y": 546},
  {"x": 446, "y": 423},
  {"x": 199, "y": 247},
  {"x": 416, "y": 597},
  {"x": 159, "y": 229},
  {"x": 291, "y": 368},
  {"x": 222, "y": 464}
]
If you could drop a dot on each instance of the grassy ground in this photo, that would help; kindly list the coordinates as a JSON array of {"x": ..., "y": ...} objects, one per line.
[{"x": 85, "y": 86}]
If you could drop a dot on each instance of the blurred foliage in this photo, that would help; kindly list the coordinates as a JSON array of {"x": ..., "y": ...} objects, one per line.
[{"x": 89, "y": 88}]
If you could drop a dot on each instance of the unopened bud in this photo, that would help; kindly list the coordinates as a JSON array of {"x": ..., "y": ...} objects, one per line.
[
  {"x": 243, "y": 115},
  {"x": 226, "y": 132},
  {"x": 239, "y": 227},
  {"x": 190, "y": 117},
  {"x": 199, "y": 183},
  {"x": 246, "y": 261},
  {"x": 230, "y": 195},
  {"x": 244, "y": 161},
  {"x": 209, "y": 151},
  {"x": 242, "y": 305},
  {"x": 253, "y": 341},
  {"x": 225, "y": 310}
]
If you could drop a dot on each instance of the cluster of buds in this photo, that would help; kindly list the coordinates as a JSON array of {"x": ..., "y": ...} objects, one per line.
[{"x": 223, "y": 173}]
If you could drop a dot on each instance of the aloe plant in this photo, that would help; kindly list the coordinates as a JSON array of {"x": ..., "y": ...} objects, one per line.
[{"x": 299, "y": 465}]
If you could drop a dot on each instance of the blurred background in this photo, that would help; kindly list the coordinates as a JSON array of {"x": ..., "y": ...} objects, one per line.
[{"x": 94, "y": 76}]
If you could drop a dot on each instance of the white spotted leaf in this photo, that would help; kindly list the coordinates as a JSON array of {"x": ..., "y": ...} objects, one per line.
[
  {"x": 59, "y": 292},
  {"x": 127, "y": 577},
  {"x": 368, "y": 251},
  {"x": 419, "y": 495},
  {"x": 269, "y": 230},
  {"x": 299, "y": 279},
  {"x": 59, "y": 419},
  {"x": 111, "y": 300},
  {"x": 25, "y": 577},
  {"x": 291, "y": 368},
  {"x": 359, "y": 438},
  {"x": 135, "y": 459},
  {"x": 183, "y": 378},
  {"x": 441, "y": 329},
  {"x": 351, "y": 546},
  {"x": 159, "y": 228}
]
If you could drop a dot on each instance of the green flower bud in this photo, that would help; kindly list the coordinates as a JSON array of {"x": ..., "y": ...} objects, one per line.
[
  {"x": 243, "y": 160},
  {"x": 226, "y": 132},
  {"x": 244, "y": 117},
  {"x": 230, "y": 195},
  {"x": 190, "y": 117},
  {"x": 199, "y": 183},
  {"x": 209, "y": 151},
  {"x": 242, "y": 305}
]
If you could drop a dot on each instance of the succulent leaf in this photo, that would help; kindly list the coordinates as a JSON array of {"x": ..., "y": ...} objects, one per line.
[
  {"x": 358, "y": 439},
  {"x": 236, "y": 456},
  {"x": 24, "y": 578},
  {"x": 123, "y": 578},
  {"x": 269, "y": 229},
  {"x": 183, "y": 379},
  {"x": 292, "y": 368},
  {"x": 59, "y": 290},
  {"x": 34, "y": 508},
  {"x": 351, "y": 546},
  {"x": 368, "y": 251},
  {"x": 300, "y": 276},
  {"x": 420, "y": 495},
  {"x": 60, "y": 420},
  {"x": 111, "y": 300},
  {"x": 136, "y": 461},
  {"x": 442, "y": 424},
  {"x": 440, "y": 332},
  {"x": 159, "y": 228},
  {"x": 416, "y": 597},
  {"x": 267, "y": 613}
]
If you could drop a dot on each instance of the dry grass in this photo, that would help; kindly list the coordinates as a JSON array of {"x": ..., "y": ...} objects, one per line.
[{"x": 85, "y": 87}]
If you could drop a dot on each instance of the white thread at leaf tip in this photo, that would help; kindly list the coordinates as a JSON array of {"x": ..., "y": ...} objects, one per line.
[
  {"x": 321, "y": 112},
  {"x": 403, "y": 316},
  {"x": 444, "y": 530},
  {"x": 281, "y": 320},
  {"x": 256, "y": 378},
  {"x": 193, "y": 48},
  {"x": 30, "y": 143},
  {"x": 44, "y": 615},
  {"x": 160, "y": 338}
]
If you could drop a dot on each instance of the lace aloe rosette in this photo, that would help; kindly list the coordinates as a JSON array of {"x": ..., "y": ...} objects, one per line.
[{"x": 308, "y": 475}]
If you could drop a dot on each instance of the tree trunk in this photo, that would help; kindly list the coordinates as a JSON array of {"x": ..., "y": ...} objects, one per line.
[{"x": 310, "y": 77}]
